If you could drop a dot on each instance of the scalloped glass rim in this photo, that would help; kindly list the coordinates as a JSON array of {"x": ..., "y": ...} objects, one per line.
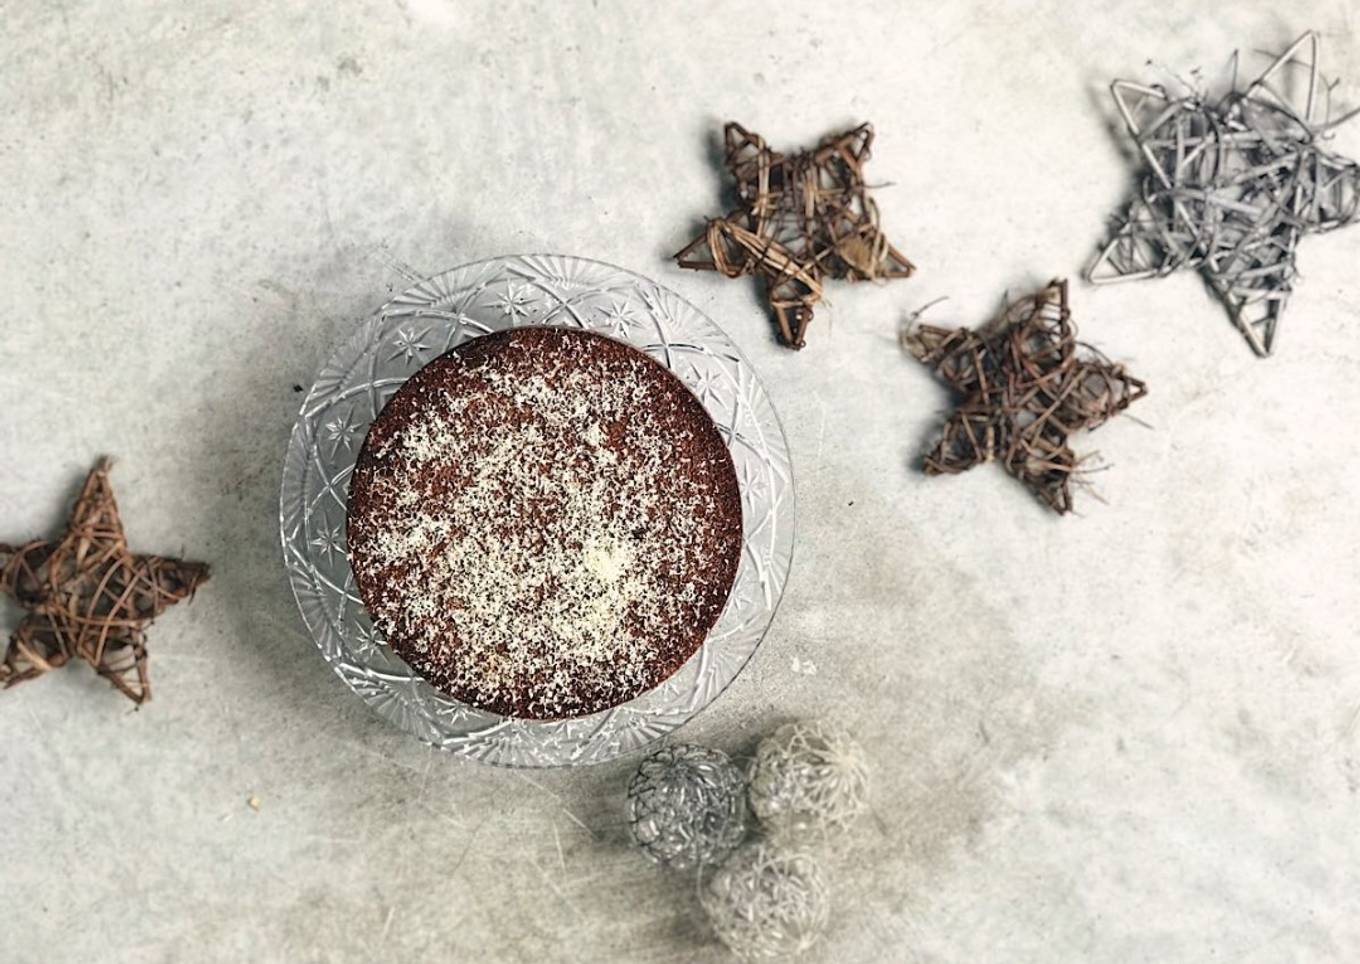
[{"x": 423, "y": 322}]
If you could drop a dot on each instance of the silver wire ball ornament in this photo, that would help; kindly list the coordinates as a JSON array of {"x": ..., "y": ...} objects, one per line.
[
  {"x": 687, "y": 806},
  {"x": 808, "y": 781},
  {"x": 766, "y": 903}
]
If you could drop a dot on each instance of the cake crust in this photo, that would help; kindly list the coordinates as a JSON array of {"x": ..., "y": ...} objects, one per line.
[{"x": 544, "y": 523}]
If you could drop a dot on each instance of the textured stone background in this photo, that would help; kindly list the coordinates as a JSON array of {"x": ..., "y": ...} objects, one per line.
[{"x": 1129, "y": 735}]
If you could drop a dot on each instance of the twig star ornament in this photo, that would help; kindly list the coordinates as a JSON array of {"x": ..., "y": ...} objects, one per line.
[
  {"x": 1231, "y": 185},
  {"x": 89, "y": 597},
  {"x": 802, "y": 218},
  {"x": 1025, "y": 389}
]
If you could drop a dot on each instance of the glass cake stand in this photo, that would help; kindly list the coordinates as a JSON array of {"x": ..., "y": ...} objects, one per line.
[{"x": 426, "y": 321}]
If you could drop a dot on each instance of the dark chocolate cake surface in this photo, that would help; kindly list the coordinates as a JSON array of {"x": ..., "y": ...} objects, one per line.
[{"x": 544, "y": 523}]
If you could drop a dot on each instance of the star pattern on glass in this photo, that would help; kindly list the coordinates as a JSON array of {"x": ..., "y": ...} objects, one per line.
[
  {"x": 752, "y": 481},
  {"x": 451, "y": 713},
  {"x": 367, "y": 639},
  {"x": 705, "y": 382},
  {"x": 617, "y": 318},
  {"x": 329, "y": 540},
  {"x": 407, "y": 344},
  {"x": 516, "y": 302},
  {"x": 340, "y": 432}
]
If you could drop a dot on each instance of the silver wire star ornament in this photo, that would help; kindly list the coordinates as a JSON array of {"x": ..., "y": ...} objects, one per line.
[{"x": 1232, "y": 184}]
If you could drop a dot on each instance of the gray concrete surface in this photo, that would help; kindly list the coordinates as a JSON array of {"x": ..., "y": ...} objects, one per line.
[{"x": 1126, "y": 736}]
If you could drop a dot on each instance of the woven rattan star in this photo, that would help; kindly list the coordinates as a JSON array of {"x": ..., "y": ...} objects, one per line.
[
  {"x": 801, "y": 218},
  {"x": 1230, "y": 185},
  {"x": 87, "y": 596},
  {"x": 1025, "y": 389}
]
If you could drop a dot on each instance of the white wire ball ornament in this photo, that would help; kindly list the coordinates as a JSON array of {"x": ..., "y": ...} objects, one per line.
[
  {"x": 809, "y": 781},
  {"x": 687, "y": 806},
  {"x": 766, "y": 903}
]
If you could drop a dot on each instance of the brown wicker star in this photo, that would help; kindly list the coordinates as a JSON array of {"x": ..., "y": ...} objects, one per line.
[
  {"x": 801, "y": 219},
  {"x": 1025, "y": 390},
  {"x": 87, "y": 596}
]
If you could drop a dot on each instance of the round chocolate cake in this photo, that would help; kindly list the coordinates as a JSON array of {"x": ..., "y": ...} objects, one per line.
[{"x": 544, "y": 523}]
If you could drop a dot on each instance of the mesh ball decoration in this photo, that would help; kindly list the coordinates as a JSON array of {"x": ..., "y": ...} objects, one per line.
[
  {"x": 809, "y": 781},
  {"x": 766, "y": 903},
  {"x": 687, "y": 806}
]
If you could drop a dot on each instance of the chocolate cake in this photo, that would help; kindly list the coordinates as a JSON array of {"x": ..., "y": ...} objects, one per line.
[{"x": 544, "y": 523}]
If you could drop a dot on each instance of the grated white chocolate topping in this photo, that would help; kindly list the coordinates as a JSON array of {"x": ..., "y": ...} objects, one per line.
[{"x": 546, "y": 525}]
